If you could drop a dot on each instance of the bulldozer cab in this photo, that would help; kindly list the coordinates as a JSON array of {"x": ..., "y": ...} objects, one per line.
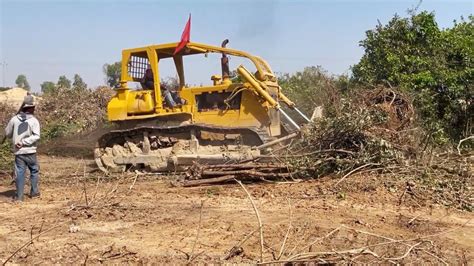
[
  {"x": 251, "y": 101},
  {"x": 136, "y": 62}
]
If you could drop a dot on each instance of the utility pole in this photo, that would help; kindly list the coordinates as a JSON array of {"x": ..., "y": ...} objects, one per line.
[{"x": 4, "y": 69}]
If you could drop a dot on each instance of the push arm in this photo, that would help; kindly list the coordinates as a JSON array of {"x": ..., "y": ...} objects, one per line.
[{"x": 264, "y": 94}]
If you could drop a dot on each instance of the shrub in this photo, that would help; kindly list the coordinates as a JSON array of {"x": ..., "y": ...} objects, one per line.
[
  {"x": 334, "y": 144},
  {"x": 434, "y": 65},
  {"x": 65, "y": 111},
  {"x": 6, "y": 158}
]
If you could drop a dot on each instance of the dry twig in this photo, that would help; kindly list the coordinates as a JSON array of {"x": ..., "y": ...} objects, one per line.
[
  {"x": 96, "y": 189},
  {"x": 406, "y": 253},
  {"x": 258, "y": 218},
  {"x": 282, "y": 249},
  {"x": 237, "y": 247},
  {"x": 351, "y": 172},
  {"x": 321, "y": 238},
  {"x": 191, "y": 256},
  {"x": 134, "y": 181},
  {"x": 31, "y": 241},
  {"x": 85, "y": 192},
  {"x": 461, "y": 141}
]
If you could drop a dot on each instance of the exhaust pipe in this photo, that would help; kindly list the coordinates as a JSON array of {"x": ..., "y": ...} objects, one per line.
[{"x": 225, "y": 62}]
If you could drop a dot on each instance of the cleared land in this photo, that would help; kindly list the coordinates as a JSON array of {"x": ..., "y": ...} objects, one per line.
[{"x": 145, "y": 219}]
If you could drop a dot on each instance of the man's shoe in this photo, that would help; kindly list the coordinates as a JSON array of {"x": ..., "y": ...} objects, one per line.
[
  {"x": 37, "y": 195},
  {"x": 15, "y": 199}
]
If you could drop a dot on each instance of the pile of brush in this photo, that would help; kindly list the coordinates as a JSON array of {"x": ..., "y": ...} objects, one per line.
[{"x": 199, "y": 174}]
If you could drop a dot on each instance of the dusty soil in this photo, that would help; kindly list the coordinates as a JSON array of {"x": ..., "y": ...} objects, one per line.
[{"x": 146, "y": 219}]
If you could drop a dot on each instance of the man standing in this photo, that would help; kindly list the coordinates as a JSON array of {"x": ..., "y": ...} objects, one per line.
[{"x": 24, "y": 130}]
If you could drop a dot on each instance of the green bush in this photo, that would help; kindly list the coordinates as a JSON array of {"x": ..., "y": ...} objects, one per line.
[
  {"x": 310, "y": 88},
  {"x": 434, "y": 65},
  {"x": 6, "y": 157},
  {"x": 56, "y": 130}
]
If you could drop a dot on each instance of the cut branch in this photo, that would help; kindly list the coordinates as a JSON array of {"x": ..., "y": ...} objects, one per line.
[{"x": 258, "y": 218}]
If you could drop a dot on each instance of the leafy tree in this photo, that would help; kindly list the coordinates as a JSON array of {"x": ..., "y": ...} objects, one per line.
[
  {"x": 78, "y": 83},
  {"x": 64, "y": 82},
  {"x": 309, "y": 88},
  {"x": 112, "y": 73},
  {"x": 48, "y": 87},
  {"x": 22, "y": 82},
  {"x": 433, "y": 64}
]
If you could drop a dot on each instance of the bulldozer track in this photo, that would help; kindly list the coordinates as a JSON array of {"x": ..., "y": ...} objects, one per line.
[
  {"x": 108, "y": 139},
  {"x": 232, "y": 144}
]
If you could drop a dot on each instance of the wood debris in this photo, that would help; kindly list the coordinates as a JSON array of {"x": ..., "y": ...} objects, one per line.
[{"x": 199, "y": 174}]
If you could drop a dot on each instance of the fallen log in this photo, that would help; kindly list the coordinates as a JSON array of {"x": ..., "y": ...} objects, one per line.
[
  {"x": 244, "y": 166},
  {"x": 199, "y": 174},
  {"x": 245, "y": 172},
  {"x": 198, "y": 182}
]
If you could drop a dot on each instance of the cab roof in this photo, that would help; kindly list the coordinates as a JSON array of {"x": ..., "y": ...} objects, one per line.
[{"x": 166, "y": 50}]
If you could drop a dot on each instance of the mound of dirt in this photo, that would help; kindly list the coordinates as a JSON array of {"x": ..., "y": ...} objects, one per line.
[{"x": 14, "y": 97}]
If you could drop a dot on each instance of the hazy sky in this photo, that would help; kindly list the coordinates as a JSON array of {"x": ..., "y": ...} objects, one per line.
[{"x": 46, "y": 39}]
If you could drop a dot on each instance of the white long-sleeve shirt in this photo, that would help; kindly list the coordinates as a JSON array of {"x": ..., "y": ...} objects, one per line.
[{"x": 23, "y": 128}]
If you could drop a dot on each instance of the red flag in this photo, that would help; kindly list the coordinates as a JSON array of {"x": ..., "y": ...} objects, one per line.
[{"x": 185, "y": 37}]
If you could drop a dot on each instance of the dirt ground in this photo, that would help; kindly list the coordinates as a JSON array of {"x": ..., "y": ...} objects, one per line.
[{"x": 145, "y": 219}]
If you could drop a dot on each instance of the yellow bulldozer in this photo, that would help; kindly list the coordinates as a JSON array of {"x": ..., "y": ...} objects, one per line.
[{"x": 158, "y": 128}]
